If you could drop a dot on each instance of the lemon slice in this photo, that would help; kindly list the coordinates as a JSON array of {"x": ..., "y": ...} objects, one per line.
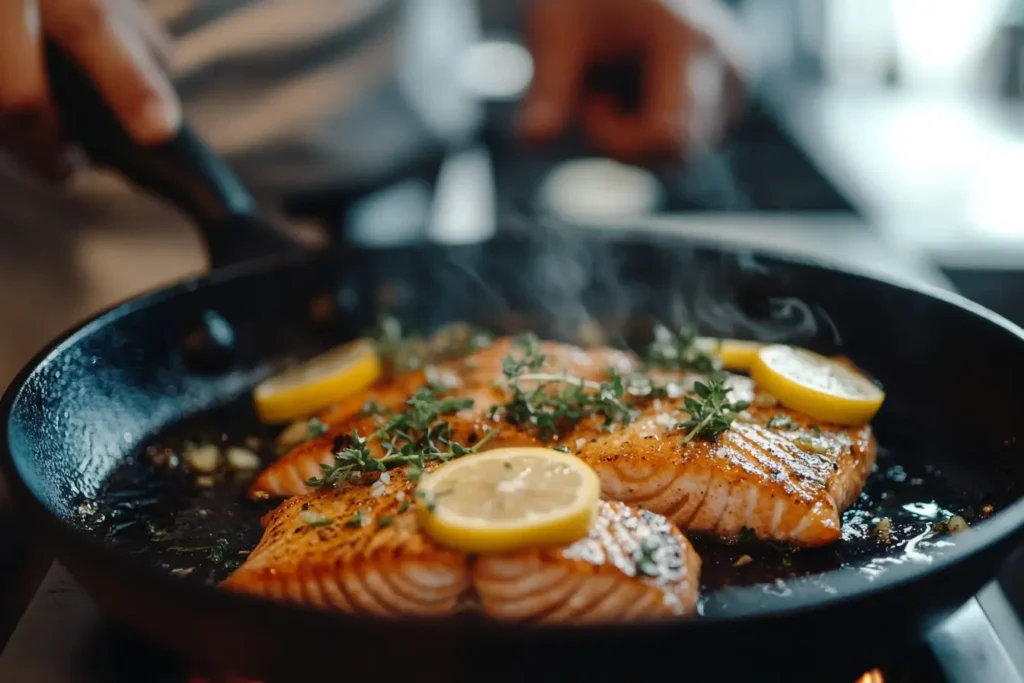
[
  {"x": 816, "y": 386},
  {"x": 735, "y": 354},
  {"x": 333, "y": 376},
  {"x": 508, "y": 499}
]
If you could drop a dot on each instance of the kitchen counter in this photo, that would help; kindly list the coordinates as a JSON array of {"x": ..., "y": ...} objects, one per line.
[{"x": 939, "y": 174}]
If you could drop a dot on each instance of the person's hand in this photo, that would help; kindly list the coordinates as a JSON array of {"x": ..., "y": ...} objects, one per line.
[
  {"x": 123, "y": 51},
  {"x": 568, "y": 37}
]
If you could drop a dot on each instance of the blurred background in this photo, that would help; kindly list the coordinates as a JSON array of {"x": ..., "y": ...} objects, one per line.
[
  {"x": 888, "y": 134},
  {"x": 870, "y": 122}
]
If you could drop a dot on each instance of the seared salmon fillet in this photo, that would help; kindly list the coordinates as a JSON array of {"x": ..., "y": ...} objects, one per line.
[
  {"x": 359, "y": 550},
  {"x": 774, "y": 472},
  {"x": 786, "y": 483},
  {"x": 389, "y": 395},
  {"x": 471, "y": 377},
  {"x": 633, "y": 565}
]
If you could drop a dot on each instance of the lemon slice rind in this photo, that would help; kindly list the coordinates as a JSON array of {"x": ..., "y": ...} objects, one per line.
[
  {"x": 532, "y": 529},
  {"x": 816, "y": 386},
  {"x": 735, "y": 354},
  {"x": 301, "y": 391}
]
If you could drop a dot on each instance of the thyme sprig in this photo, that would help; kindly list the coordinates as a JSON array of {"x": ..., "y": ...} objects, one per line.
[
  {"x": 554, "y": 399},
  {"x": 404, "y": 352},
  {"x": 314, "y": 428},
  {"x": 710, "y": 411},
  {"x": 678, "y": 350},
  {"x": 415, "y": 436}
]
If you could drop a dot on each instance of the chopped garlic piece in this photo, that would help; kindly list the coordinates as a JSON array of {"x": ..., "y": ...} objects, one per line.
[
  {"x": 203, "y": 458},
  {"x": 242, "y": 459}
]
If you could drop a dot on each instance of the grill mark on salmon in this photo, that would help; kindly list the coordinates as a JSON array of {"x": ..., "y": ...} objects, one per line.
[
  {"x": 396, "y": 570},
  {"x": 597, "y": 578},
  {"x": 783, "y": 485},
  {"x": 367, "y": 568},
  {"x": 787, "y": 485}
]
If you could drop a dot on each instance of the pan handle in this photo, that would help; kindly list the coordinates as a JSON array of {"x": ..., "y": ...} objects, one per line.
[{"x": 182, "y": 170}]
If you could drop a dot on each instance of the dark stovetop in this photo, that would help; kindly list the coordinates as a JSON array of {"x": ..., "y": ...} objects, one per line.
[{"x": 758, "y": 169}]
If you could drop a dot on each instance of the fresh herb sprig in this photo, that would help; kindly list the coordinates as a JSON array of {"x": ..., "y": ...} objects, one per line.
[
  {"x": 314, "y": 428},
  {"x": 414, "y": 436},
  {"x": 405, "y": 352},
  {"x": 573, "y": 399},
  {"x": 710, "y": 411},
  {"x": 678, "y": 350}
]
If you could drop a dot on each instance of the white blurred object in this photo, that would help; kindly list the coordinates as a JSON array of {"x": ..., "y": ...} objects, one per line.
[
  {"x": 497, "y": 69},
  {"x": 940, "y": 43},
  {"x": 391, "y": 217},
  {"x": 995, "y": 205},
  {"x": 934, "y": 45},
  {"x": 463, "y": 211},
  {"x": 596, "y": 189},
  {"x": 857, "y": 41},
  {"x": 435, "y": 37}
]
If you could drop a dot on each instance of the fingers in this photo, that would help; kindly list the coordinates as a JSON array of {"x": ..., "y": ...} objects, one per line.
[
  {"x": 28, "y": 124},
  {"x": 118, "y": 62},
  {"x": 621, "y": 135},
  {"x": 666, "y": 96},
  {"x": 153, "y": 34},
  {"x": 661, "y": 124},
  {"x": 557, "y": 34}
]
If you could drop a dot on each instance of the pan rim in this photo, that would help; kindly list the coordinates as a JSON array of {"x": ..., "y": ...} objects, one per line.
[{"x": 999, "y": 529}]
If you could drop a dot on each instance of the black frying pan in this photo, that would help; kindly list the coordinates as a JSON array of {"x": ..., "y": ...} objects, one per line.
[{"x": 77, "y": 422}]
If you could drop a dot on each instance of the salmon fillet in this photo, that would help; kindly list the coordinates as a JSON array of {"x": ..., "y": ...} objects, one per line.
[
  {"x": 774, "y": 472},
  {"x": 359, "y": 550},
  {"x": 787, "y": 484},
  {"x": 355, "y": 550},
  {"x": 389, "y": 395},
  {"x": 632, "y": 565},
  {"x": 471, "y": 377}
]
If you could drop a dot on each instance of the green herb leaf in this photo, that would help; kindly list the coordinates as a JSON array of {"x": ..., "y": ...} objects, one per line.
[
  {"x": 412, "y": 437},
  {"x": 359, "y": 519},
  {"x": 645, "y": 557},
  {"x": 429, "y": 498},
  {"x": 406, "y": 352},
  {"x": 315, "y": 428},
  {"x": 553, "y": 401},
  {"x": 711, "y": 413},
  {"x": 314, "y": 519},
  {"x": 678, "y": 350},
  {"x": 219, "y": 551}
]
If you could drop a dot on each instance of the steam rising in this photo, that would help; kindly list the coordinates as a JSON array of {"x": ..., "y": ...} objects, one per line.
[{"x": 577, "y": 282}]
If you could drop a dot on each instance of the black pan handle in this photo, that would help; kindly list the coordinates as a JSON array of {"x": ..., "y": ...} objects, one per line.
[{"x": 182, "y": 170}]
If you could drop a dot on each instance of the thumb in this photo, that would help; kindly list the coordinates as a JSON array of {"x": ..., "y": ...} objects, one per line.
[{"x": 558, "y": 41}]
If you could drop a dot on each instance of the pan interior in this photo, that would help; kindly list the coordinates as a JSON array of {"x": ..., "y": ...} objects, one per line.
[{"x": 87, "y": 421}]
